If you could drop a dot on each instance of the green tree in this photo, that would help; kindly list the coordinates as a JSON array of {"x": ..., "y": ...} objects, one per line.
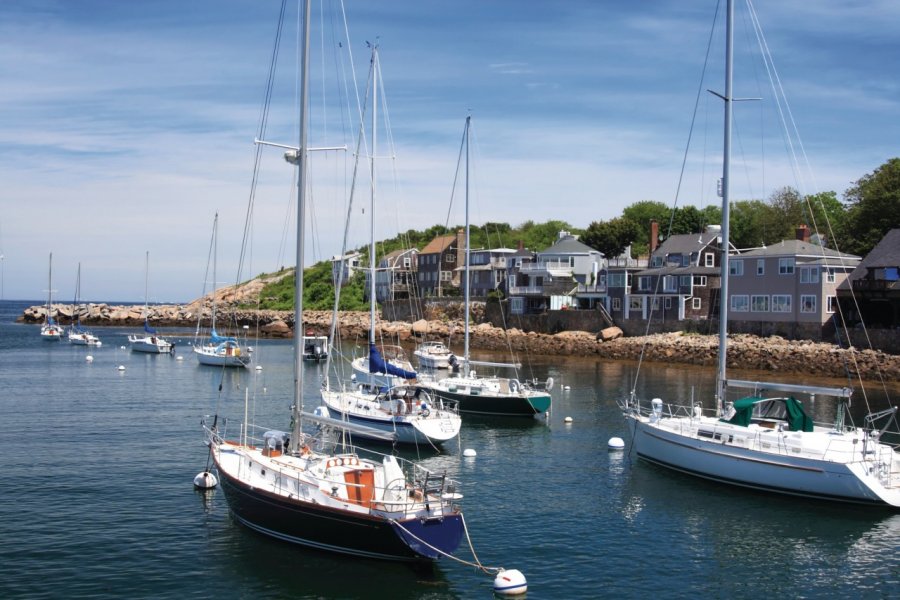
[
  {"x": 873, "y": 208},
  {"x": 613, "y": 236}
]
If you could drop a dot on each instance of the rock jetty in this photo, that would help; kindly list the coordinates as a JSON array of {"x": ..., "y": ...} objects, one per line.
[{"x": 745, "y": 351}]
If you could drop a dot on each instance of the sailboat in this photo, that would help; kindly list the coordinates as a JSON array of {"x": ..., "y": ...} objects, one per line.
[
  {"x": 150, "y": 341},
  {"x": 78, "y": 335},
  {"x": 495, "y": 396},
  {"x": 412, "y": 415},
  {"x": 50, "y": 329},
  {"x": 765, "y": 440},
  {"x": 217, "y": 350},
  {"x": 290, "y": 486}
]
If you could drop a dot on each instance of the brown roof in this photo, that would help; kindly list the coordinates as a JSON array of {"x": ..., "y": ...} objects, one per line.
[{"x": 438, "y": 244}]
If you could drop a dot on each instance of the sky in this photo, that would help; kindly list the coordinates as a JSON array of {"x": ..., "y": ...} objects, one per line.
[{"x": 126, "y": 126}]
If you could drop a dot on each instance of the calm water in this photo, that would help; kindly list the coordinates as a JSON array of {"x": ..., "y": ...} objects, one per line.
[{"x": 98, "y": 501}]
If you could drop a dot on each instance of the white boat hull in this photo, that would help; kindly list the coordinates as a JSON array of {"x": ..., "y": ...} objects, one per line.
[
  {"x": 208, "y": 356},
  {"x": 821, "y": 464},
  {"x": 150, "y": 344},
  {"x": 409, "y": 423}
]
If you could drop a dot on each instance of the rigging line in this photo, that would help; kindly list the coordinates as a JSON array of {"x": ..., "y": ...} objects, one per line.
[{"x": 677, "y": 193}]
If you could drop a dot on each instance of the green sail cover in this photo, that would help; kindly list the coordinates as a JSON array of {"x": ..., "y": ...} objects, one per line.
[{"x": 797, "y": 419}]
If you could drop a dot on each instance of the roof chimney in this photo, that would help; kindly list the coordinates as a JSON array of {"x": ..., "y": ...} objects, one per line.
[
  {"x": 654, "y": 235},
  {"x": 803, "y": 233},
  {"x": 521, "y": 245}
]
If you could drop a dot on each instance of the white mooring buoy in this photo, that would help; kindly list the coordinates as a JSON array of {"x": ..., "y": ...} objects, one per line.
[
  {"x": 179, "y": 357},
  {"x": 510, "y": 582},
  {"x": 616, "y": 443},
  {"x": 121, "y": 367},
  {"x": 89, "y": 358},
  {"x": 259, "y": 367},
  {"x": 567, "y": 420},
  {"x": 470, "y": 452},
  {"x": 205, "y": 481}
]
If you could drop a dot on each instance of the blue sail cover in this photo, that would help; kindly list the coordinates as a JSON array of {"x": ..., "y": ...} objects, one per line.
[
  {"x": 377, "y": 364},
  {"x": 147, "y": 327},
  {"x": 215, "y": 338}
]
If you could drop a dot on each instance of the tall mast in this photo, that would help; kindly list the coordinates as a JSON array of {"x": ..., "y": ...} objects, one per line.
[
  {"x": 372, "y": 199},
  {"x": 301, "y": 223},
  {"x": 215, "y": 259},
  {"x": 466, "y": 270},
  {"x": 726, "y": 169},
  {"x": 146, "y": 281}
]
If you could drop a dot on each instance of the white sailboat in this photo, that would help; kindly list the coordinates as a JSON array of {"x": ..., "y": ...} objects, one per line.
[
  {"x": 149, "y": 341},
  {"x": 78, "y": 335},
  {"x": 50, "y": 329},
  {"x": 290, "y": 486},
  {"x": 217, "y": 350},
  {"x": 765, "y": 441},
  {"x": 493, "y": 396},
  {"x": 380, "y": 398}
]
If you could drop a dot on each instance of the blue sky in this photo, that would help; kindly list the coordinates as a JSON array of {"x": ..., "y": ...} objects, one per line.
[{"x": 124, "y": 126}]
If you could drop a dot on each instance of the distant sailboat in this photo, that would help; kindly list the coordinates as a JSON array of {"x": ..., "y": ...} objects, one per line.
[
  {"x": 50, "y": 329},
  {"x": 494, "y": 396},
  {"x": 78, "y": 335},
  {"x": 217, "y": 350},
  {"x": 150, "y": 341}
]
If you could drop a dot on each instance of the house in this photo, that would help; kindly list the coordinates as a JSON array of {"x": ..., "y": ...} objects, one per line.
[
  {"x": 789, "y": 288},
  {"x": 871, "y": 293},
  {"x": 437, "y": 262},
  {"x": 487, "y": 271},
  {"x": 395, "y": 276},
  {"x": 681, "y": 283},
  {"x": 549, "y": 280},
  {"x": 350, "y": 263}
]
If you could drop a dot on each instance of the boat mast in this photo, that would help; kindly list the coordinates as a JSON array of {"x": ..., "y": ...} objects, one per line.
[
  {"x": 50, "y": 290},
  {"x": 726, "y": 169},
  {"x": 466, "y": 270},
  {"x": 301, "y": 223},
  {"x": 215, "y": 241},
  {"x": 372, "y": 198},
  {"x": 146, "y": 282}
]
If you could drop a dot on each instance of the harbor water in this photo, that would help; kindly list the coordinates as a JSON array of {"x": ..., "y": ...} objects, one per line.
[{"x": 98, "y": 499}]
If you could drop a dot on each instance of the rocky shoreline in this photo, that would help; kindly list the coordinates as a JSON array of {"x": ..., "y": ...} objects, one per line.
[{"x": 773, "y": 354}]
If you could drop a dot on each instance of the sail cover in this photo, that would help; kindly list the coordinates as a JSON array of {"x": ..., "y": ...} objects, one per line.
[
  {"x": 147, "y": 327},
  {"x": 215, "y": 338},
  {"x": 377, "y": 364}
]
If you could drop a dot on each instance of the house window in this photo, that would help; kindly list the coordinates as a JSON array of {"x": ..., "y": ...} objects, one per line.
[
  {"x": 829, "y": 275},
  {"x": 655, "y": 303},
  {"x": 740, "y": 303},
  {"x": 685, "y": 281},
  {"x": 450, "y": 257},
  {"x": 710, "y": 259},
  {"x": 643, "y": 284},
  {"x": 759, "y": 304},
  {"x": 446, "y": 275},
  {"x": 617, "y": 304},
  {"x": 736, "y": 268},
  {"x": 657, "y": 261},
  {"x": 830, "y": 304},
  {"x": 635, "y": 303},
  {"x": 760, "y": 266},
  {"x": 685, "y": 261},
  {"x": 807, "y": 303},
  {"x": 696, "y": 303},
  {"x": 668, "y": 302},
  {"x": 407, "y": 263},
  {"x": 517, "y": 305},
  {"x": 616, "y": 280},
  {"x": 785, "y": 266},
  {"x": 670, "y": 283},
  {"x": 781, "y": 303},
  {"x": 628, "y": 282},
  {"x": 809, "y": 275},
  {"x": 700, "y": 280}
]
